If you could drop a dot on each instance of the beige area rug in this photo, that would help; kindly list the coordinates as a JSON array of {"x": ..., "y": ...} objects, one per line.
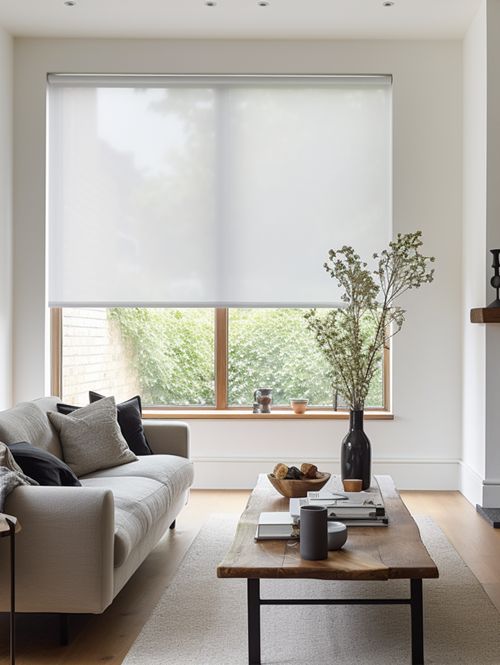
[{"x": 201, "y": 620}]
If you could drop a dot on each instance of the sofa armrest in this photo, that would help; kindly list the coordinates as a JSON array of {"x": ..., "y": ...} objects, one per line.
[
  {"x": 167, "y": 437},
  {"x": 64, "y": 550}
]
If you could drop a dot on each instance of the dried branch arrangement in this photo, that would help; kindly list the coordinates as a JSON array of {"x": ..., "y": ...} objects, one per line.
[{"x": 353, "y": 338}]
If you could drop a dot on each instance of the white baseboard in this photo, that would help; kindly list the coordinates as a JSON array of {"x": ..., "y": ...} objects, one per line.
[
  {"x": 242, "y": 472},
  {"x": 470, "y": 484},
  {"x": 485, "y": 492},
  {"x": 491, "y": 494}
]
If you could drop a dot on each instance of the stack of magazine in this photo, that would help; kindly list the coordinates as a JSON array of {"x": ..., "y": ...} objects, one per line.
[{"x": 351, "y": 508}]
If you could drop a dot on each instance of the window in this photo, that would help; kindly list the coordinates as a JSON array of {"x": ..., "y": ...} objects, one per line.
[{"x": 194, "y": 358}]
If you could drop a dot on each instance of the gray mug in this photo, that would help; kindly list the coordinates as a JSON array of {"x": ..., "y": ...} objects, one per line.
[{"x": 313, "y": 533}]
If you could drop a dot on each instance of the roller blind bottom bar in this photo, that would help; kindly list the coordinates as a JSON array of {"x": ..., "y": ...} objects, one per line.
[{"x": 199, "y": 305}]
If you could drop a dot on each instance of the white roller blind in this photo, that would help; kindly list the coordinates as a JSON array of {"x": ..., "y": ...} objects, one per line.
[{"x": 205, "y": 191}]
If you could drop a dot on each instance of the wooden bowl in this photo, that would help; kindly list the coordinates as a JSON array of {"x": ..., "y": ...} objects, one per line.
[{"x": 294, "y": 489}]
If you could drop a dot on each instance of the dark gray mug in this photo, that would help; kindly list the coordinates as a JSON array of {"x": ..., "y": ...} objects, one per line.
[{"x": 313, "y": 533}]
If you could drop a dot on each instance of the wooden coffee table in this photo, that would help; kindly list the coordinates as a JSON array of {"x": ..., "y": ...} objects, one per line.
[{"x": 371, "y": 553}]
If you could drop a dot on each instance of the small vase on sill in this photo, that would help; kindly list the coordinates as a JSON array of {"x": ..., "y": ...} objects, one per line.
[{"x": 356, "y": 454}]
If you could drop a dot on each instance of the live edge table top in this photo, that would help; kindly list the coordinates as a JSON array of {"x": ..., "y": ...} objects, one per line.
[{"x": 371, "y": 553}]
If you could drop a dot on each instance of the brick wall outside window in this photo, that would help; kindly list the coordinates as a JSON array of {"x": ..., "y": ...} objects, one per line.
[{"x": 95, "y": 357}]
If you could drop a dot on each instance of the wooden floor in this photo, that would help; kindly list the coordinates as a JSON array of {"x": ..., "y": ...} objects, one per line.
[{"x": 106, "y": 638}]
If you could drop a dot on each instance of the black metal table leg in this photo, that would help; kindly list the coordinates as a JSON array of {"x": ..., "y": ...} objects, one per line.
[
  {"x": 64, "y": 629},
  {"x": 415, "y": 601},
  {"x": 253, "y": 594},
  {"x": 417, "y": 623}
]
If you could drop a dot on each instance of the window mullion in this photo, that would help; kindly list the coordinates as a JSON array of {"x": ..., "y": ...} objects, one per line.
[
  {"x": 56, "y": 351},
  {"x": 387, "y": 378},
  {"x": 221, "y": 319}
]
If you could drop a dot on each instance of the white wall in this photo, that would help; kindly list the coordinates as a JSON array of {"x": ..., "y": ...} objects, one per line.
[
  {"x": 422, "y": 446},
  {"x": 480, "y": 469},
  {"x": 491, "y": 492},
  {"x": 474, "y": 255},
  {"x": 6, "y": 67}
]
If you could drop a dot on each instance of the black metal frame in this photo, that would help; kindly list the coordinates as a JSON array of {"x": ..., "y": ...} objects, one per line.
[
  {"x": 12, "y": 629},
  {"x": 64, "y": 629},
  {"x": 415, "y": 601}
]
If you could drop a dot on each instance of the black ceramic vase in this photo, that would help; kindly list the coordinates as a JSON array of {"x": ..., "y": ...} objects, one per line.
[{"x": 356, "y": 453}]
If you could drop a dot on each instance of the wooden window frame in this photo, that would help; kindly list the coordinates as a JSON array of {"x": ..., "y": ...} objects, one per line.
[{"x": 221, "y": 408}]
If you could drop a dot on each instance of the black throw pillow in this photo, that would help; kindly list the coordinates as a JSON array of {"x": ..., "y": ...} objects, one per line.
[
  {"x": 45, "y": 468},
  {"x": 66, "y": 409},
  {"x": 130, "y": 421}
]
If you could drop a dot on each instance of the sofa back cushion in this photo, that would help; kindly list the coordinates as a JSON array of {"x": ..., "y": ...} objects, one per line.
[{"x": 27, "y": 422}]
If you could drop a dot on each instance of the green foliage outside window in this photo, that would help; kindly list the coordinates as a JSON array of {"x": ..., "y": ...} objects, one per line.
[
  {"x": 273, "y": 348},
  {"x": 174, "y": 352}
]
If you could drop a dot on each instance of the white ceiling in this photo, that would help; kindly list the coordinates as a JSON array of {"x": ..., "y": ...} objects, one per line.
[{"x": 240, "y": 19}]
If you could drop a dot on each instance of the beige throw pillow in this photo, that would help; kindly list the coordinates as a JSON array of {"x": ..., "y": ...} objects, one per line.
[{"x": 91, "y": 438}]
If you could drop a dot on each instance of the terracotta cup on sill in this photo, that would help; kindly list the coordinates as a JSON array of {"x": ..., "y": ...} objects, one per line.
[{"x": 299, "y": 406}]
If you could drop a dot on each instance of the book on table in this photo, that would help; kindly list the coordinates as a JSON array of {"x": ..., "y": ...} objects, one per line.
[
  {"x": 353, "y": 508},
  {"x": 350, "y": 517},
  {"x": 359, "y": 501},
  {"x": 370, "y": 521},
  {"x": 350, "y": 505},
  {"x": 326, "y": 497},
  {"x": 276, "y": 526}
]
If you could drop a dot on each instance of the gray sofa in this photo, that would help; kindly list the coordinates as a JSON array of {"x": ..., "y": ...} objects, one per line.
[{"x": 80, "y": 545}]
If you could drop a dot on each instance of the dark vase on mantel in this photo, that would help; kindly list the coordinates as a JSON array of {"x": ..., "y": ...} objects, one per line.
[{"x": 356, "y": 453}]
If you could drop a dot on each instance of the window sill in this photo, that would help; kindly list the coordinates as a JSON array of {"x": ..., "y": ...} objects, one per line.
[{"x": 237, "y": 414}]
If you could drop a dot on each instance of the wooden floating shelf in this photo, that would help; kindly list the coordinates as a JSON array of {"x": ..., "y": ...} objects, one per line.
[{"x": 485, "y": 315}]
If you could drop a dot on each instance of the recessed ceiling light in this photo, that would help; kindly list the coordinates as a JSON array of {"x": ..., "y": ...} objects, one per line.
[
  {"x": 387, "y": 4},
  {"x": 70, "y": 3},
  {"x": 263, "y": 3},
  {"x": 210, "y": 3}
]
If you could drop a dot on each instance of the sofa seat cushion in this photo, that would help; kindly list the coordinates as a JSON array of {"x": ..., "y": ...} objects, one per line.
[
  {"x": 176, "y": 473},
  {"x": 139, "y": 504}
]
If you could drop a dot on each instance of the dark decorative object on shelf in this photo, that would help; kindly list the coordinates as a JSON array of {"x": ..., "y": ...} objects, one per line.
[
  {"x": 356, "y": 453},
  {"x": 495, "y": 280},
  {"x": 262, "y": 398}
]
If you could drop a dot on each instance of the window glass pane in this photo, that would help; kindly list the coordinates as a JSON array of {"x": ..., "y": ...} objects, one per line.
[
  {"x": 272, "y": 348},
  {"x": 165, "y": 355}
]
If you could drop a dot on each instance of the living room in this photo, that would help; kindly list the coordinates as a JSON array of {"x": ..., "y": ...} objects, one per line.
[{"x": 433, "y": 425}]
